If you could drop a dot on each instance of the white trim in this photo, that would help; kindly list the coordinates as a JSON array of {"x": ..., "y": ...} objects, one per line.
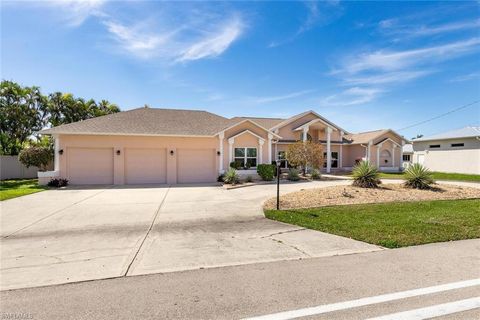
[
  {"x": 244, "y": 132},
  {"x": 221, "y": 136},
  {"x": 56, "y": 156},
  {"x": 230, "y": 150},
  {"x": 48, "y": 174},
  {"x": 328, "y": 130},
  {"x": 337, "y": 306},
  {"x": 270, "y": 137},
  {"x": 340, "y": 155},
  {"x": 253, "y": 122},
  {"x": 388, "y": 139}
]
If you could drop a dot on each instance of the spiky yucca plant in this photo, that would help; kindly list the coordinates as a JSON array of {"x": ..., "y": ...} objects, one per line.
[
  {"x": 231, "y": 177},
  {"x": 418, "y": 177},
  {"x": 365, "y": 175}
]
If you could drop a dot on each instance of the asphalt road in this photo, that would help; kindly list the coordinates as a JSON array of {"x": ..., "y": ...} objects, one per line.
[{"x": 266, "y": 288}]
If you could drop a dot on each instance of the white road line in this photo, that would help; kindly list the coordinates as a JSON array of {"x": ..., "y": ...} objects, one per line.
[
  {"x": 433, "y": 311},
  {"x": 366, "y": 301}
]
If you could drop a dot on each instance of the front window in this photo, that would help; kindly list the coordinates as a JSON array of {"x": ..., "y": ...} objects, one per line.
[
  {"x": 334, "y": 162},
  {"x": 406, "y": 157},
  {"x": 246, "y": 157}
]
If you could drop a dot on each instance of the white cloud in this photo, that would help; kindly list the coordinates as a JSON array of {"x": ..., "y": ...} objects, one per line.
[
  {"x": 177, "y": 42},
  {"x": 397, "y": 60},
  {"x": 466, "y": 77},
  {"x": 410, "y": 29},
  {"x": 75, "y": 12},
  {"x": 351, "y": 96},
  {"x": 386, "y": 78},
  {"x": 214, "y": 43},
  {"x": 281, "y": 97}
]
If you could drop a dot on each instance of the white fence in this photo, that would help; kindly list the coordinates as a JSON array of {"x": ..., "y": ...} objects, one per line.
[{"x": 11, "y": 168}]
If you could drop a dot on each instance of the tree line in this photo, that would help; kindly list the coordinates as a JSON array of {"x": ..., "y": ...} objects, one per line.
[{"x": 25, "y": 110}]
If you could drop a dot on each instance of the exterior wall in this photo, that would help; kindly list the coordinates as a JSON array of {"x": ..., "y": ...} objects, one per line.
[
  {"x": 245, "y": 140},
  {"x": 11, "y": 168},
  {"x": 123, "y": 142},
  {"x": 447, "y": 159},
  {"x": 351, "y": 153},
  {"x": 287, "y": 132}
]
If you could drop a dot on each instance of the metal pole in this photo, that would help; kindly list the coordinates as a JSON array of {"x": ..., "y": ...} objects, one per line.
[{"x": 278, "y": 185}]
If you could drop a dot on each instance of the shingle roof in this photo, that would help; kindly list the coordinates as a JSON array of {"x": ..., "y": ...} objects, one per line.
[
  {"x": 267, "y": 123},
  {"x": 459, "y": 133},
  {"x": 364, "y": 137},
  {"x": 148, "y": 121}
]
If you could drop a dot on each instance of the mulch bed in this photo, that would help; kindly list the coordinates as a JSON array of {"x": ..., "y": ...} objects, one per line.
[{"x": 343, "y": 195}]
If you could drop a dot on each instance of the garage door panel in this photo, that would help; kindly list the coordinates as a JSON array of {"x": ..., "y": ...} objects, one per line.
[
  {"x": 196, "y": 165},
  {"x": 145, "y": 165},
  {"x": 90, "y": 165}
]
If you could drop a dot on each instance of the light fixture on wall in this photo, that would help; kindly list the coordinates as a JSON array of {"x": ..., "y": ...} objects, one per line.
[
  {"x": 118, "y": 152},
  {"x": 60, "y": 151},
  {"x": 171, "y": 152},
  {"x": 218, "y": 153}
]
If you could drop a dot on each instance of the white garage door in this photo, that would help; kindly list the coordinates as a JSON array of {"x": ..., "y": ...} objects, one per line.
[
  {"x": 90, "y": 165},
  {"x": 196, "y": 165},
  {"x": 145, "y": 166}
]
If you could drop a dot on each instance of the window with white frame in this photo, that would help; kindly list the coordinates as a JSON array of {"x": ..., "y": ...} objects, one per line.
[
  {"x": 406, "y": 157},
  {"x": 246, "y": 157}
]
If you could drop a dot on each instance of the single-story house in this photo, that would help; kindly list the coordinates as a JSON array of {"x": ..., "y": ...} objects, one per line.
[
  {"x": 148, "y": 145},
  {"x": 453, "y": 151}
]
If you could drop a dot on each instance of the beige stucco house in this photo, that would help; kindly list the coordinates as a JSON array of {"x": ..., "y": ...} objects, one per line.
[
  {"x": 148, "y": 145},
  {"x": 453, "y": 151}
]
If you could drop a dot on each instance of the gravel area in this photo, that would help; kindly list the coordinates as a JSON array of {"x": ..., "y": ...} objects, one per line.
[{"x": 341, "y": 195}]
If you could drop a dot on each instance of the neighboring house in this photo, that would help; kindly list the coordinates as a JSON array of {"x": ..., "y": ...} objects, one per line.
[
  {"x": 149, "y": 145},
  {"x": 453, "y": 151},
  {"x": 407, "y": 155}
]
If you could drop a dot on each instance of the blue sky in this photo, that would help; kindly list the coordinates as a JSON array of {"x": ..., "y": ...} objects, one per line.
[{"x": 363, "y": 65}]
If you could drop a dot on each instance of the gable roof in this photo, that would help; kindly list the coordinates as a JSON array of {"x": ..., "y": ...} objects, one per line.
[
  {"x": 267, "y": 123},
  {"x": 148, "y": 121},
  {"x": 300, "y": 115},
  {"x": 367, "y": 136},
  {"x": 467, "y": 132}
]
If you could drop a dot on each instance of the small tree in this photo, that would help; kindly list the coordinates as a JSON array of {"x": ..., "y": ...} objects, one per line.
[
  {"x": 303, "y": 154},
  {"x": 36, "y": 157}
]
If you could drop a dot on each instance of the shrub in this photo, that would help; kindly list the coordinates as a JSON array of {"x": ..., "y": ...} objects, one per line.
[
  {"x": 36, "y": 157},
  {"x": 418, "y": 177},
  {"x": 236, "y": 165},
  {"x": 249, "y": 179},
  {"x": 365, "y": 175},
  {"x": 58, "y": 183},
  {"x": 316, "y": 174},
  {"x": 231, "y": 177},
  {"x": 220, "y": 178},
  {"x": 266, "y": 171},
  {"x": 293, "y": 174}
]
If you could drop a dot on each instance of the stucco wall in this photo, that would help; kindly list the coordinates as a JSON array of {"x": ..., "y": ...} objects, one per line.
[{"x": 449, "y": 159}]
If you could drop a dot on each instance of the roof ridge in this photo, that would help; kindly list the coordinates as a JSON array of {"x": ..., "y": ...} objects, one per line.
[
  {"x": 243, "y": 117},
  {"x": 378, "y": 130}
]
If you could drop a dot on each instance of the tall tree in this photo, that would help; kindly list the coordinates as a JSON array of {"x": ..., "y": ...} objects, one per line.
[{"x": 22, "y": 112}]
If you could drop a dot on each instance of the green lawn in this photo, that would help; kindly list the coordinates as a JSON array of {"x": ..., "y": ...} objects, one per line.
[
  {"x": 437, "y": 176},
  {"x": 16, "y": 188},
  {"x": 392, "y": 225}
]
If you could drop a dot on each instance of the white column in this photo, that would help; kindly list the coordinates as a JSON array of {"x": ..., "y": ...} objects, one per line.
[
  {"x": 56, "y": 156},
  {"x": 401, "y": 155},
  {"x": 230, "y": 149},
  {"x": 260, "y": 155},
  {"x": 340, "y": 155},
  {"x": 305, "y": 132},
  {"x": 379, "y": 146},
  {"x": 221, "y": 136},
  {"x": 393, "y": 155},
  {"x": 329, "y": 151},
  {"x": 270, "y": 137}
]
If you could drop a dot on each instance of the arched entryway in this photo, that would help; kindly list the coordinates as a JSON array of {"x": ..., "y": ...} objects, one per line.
[{"x": 385, "y": 158}]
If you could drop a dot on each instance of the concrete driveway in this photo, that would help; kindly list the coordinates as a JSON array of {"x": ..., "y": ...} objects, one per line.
[{"x": 61, "y": 236}]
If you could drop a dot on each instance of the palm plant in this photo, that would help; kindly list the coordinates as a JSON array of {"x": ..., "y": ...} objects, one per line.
[
  {"x": 365, "y": 175},
  {"x": 231, "y": 177},
  {"x": 418, "y": 177}
]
